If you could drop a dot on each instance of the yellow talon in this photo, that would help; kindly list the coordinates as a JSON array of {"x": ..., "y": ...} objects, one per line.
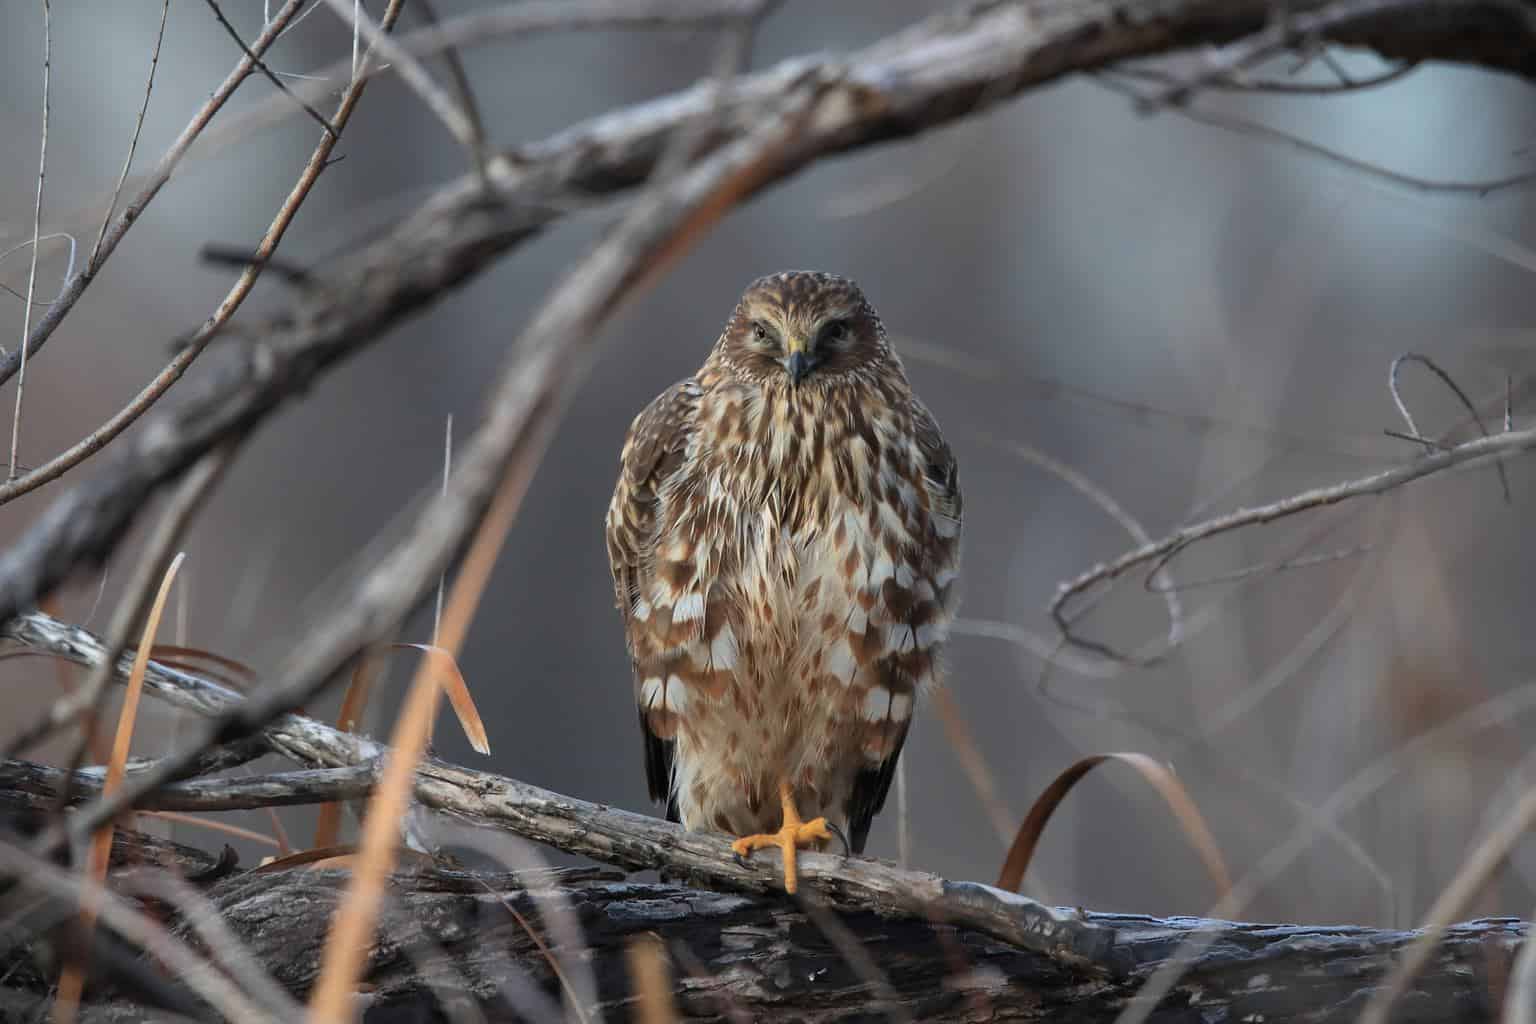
[{"x": 790, "y": 837}]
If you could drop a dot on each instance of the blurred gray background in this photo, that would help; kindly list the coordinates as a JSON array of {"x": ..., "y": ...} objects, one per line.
[{"x": 1190, "y": 318}]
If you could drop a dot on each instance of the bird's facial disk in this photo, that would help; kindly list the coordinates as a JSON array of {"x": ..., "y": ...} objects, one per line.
[{"x": 800, "y": 345}]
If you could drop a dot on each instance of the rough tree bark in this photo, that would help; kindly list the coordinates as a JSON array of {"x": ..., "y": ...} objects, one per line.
[{"x": 449, "y": 940}]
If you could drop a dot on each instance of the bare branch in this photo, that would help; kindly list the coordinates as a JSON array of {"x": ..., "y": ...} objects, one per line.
[
  {"x": 463, "y": 127},
  {"x": 158, "y": 177},
  {"x": 303, "y": 105},
  {"x": 193, "y": 346},
  {"x": 133, "y": 142},
  {"x": 1471, "y": 452}
]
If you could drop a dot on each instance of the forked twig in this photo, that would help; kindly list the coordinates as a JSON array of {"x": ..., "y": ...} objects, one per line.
[
  {"x": 1461, "y": 396},
  {"x": 158, "y": 177},
  {"x": 1497, "y": 446},
  {"x": 261, "y": 66}
]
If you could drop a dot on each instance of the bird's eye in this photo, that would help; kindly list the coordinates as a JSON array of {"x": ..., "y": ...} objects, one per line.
[
  {"x": 835, "y": 331},
  {"x": 761, "y": 333}
]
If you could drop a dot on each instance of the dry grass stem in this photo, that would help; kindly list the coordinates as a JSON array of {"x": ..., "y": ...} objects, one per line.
[
  {"x": 1159, "y": 776},
  {"x": 444, "y": 668},
  {"x": 652, "y": 981},
  {"x": 1470, "y": 881},
  {"x": 72, "y": 981},
  {"x": 351, "y": 933}
]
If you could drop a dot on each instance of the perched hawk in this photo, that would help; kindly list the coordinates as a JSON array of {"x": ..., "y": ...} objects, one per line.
[{"x": 784, "y": 539}]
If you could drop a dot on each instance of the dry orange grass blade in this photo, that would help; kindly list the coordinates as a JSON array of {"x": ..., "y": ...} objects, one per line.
[
  {"x": 351, "y": 933},
  {"x": 445, "y": 668},
  {"x": 353, "y": 703},
  {"x": 237, "y": 675},
  {"x": 181, "y": 818},
  {"x": 653, "y": 982},
  {"x": 1158, "y": 775},
  {"x": 72, "y": 981},
  {"x": 304, "y": 857}
]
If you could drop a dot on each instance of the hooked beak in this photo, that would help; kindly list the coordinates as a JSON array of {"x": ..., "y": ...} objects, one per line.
[{"x": 800, "y": 362}]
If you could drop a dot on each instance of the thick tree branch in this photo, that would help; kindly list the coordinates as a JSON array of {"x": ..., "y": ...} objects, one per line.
[{"x": 450, "y": 933}]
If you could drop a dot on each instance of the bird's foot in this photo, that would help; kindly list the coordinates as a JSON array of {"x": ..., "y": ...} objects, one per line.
[{"x": 790, "y": 838}]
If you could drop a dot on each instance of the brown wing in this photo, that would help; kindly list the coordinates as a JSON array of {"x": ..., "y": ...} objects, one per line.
[
  {"x": 654, "y": 449},
  {"x": 938, "y": 558}
]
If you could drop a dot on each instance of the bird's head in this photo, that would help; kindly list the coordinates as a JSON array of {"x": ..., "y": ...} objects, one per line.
[{"x": 802, "y": 330}]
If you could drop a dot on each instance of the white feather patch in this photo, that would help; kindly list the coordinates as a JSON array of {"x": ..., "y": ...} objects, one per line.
[
  {"x": 877, "y": 704},
  {"x": 671, "y": 695},
  {"x": 676, "y": 695},
  {"x": 649, "y": 691},
  {"x": 841, "y": 663},
  {"x": 901, "y": 707},
  {"x": 881, "y": 571},
  {"x": 642, "y": 609},
  {"x": 722, "y": 649},
  {"x": 688, "y": 607}
]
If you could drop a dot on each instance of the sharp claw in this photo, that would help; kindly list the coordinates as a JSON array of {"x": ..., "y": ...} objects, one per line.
[
  {"x": 842, "y": 837},
  {"x": 740, "y": 860}
]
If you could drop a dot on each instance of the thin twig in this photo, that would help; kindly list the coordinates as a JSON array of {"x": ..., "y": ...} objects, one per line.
[
  {"x": 1474, "y": 451},
  {"x": 210, "y": 328},
  {"x": 1267, "y": 133},
  {"x": 1461, "y": 396},
  {"x": 9, "y": 365},
  {"x": 1281, "y": 33},
  {"x": 1280, "y": 87},
  {"x": 457, "y": 120},
  {"x": 261, "y": 66},
  {"x": 37, "y": 224},
  {"x": 133, "y": 143}
]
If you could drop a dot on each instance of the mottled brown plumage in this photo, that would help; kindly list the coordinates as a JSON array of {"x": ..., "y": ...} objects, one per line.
[{"x": 784, "y": 539}]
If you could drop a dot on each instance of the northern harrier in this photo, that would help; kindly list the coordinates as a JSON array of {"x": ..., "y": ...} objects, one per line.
[{"x": 784, "y": 539}]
